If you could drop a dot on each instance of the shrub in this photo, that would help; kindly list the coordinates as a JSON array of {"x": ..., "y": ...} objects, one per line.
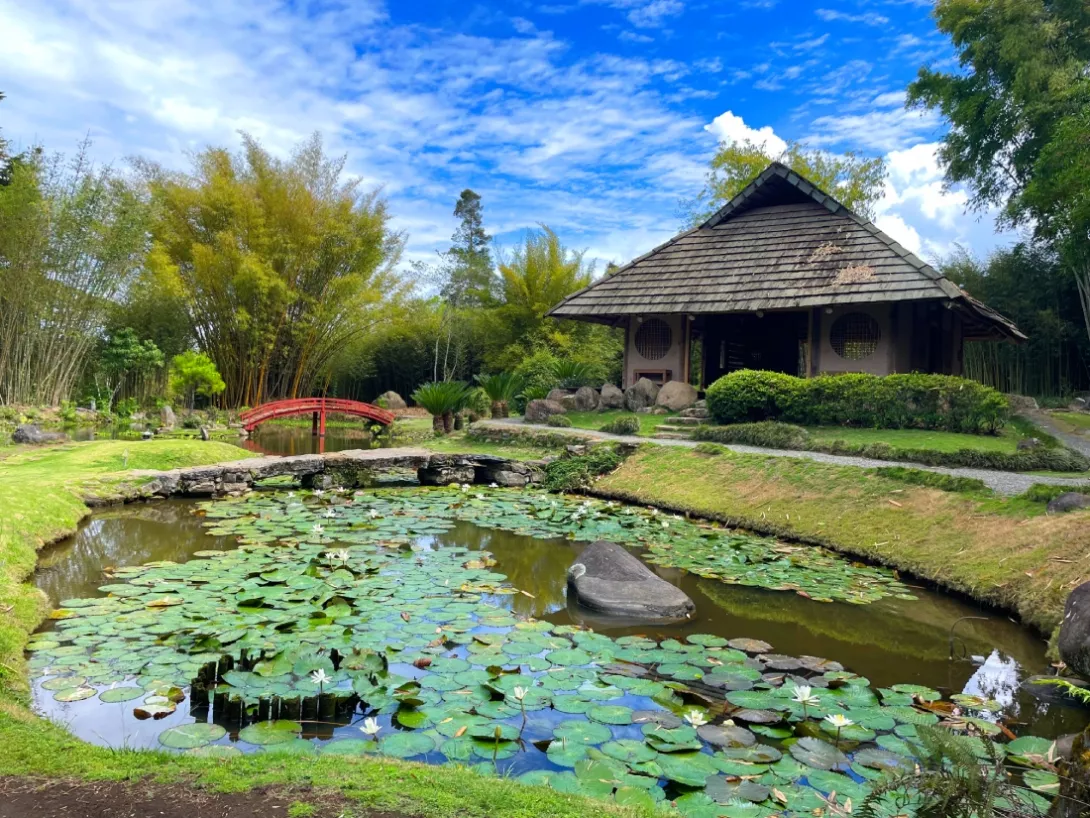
[
  {"x": 559, "y": 421},
  {"x": 624, "y": 425},
  {"x": 752, "y": 395},
  {"x": 573, "y": 374},
  {"x": 940, "y": 402},
  {"x": 576, "y": 472},
  {"x": 125, "y": 408},
  {"x": 538, "y": 371},
  {"x": 442, "y": 400},
  {"x": 502, "y": 389},
  {"x": 68, "y": 411},
  {"x": 710, "y": 449},
  {"x": 932, "y": 479},
  {"x": 191, "y": 422},
  {"x": 1046, "y": 492},
  {"x": 768, "y": 434}
]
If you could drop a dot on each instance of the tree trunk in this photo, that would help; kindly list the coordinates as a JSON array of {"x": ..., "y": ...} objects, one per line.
[
  {"x": 437, "y": 424},
  {"x": 459, "y": 422},
  {"x": 448, "y": 422},
  {"x": 498, "y": 409}
]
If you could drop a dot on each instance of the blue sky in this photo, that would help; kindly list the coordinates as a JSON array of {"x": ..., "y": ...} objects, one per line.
[{"x": 595, "y": 117}]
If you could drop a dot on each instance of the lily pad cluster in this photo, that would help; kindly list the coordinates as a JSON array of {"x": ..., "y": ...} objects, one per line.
[{"x": 340, "y": 604}]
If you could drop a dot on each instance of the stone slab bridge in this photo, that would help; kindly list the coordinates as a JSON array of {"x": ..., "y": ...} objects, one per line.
[{"x": 356, "y": 468}]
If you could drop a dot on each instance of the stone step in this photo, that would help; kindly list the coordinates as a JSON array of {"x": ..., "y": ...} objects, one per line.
[
  {"x": 694, "y": 413},
  {"x": 685, "y": 420},
  {"x": 678, "y": 435}
]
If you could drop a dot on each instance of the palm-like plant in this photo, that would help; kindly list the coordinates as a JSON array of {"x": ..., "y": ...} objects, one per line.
[
  {"x": 501, "y": 389},
  {"x": 572, "y": 374},
  {"x": 442, "y": 399}
]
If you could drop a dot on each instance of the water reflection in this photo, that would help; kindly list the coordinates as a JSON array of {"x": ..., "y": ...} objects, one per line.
[
  {"x": 291, "y": 440},
  {"x": 889, "y": 641}
]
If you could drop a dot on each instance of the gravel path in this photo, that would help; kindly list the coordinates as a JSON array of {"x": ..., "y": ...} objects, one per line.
[
  {"x": 1045, "y": 421},
  {"x": 1002, "y": 482}
]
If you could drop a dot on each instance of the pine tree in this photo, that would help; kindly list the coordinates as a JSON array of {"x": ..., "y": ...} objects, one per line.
[{"x": 471, "y": 280}]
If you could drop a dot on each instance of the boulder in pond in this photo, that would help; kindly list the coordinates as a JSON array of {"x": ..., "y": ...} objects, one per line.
[
  {"x": 676, "y": 395},
  {"x": 539, "y": 411},
  {"x": 607, "y": 579},
  {"x": 392, "y": 401},
  {"x": 1074, "y": 640},
  {"x": 33, "y": 434},
  {"x": 1069, "y": 501},
  {"x": 640, "y": 395},
  {"x": 611, "y": 398}
]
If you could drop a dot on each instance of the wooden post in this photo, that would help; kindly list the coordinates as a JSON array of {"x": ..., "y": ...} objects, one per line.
[
  {"x": 314, "y": 425},
  {"x": 321, "y": 422}
]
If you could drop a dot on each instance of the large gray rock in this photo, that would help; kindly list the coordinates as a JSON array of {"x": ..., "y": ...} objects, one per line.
[
  {"x": 166, "y": 417},
  {"x": 608, "y": 579},
  {"x": 1028, "y": 444},
  {"x": 1021, "y": 403},
  {"x": 570, "y": 403},
  {"x": 539, "y": 411},
  {"x": 586, "y": 399},
  {"x": 611, "y": 398},
  {"x": 33, "y": 434},
  {"x": 392, "y": 401},
  {"x": 640, "y": 395},
  {"x": 676, "y": 395},
  {"x": 557, "y": 395},
  {"x": 1074, "y": 640},
  {"x": 1069, "y": 501}
]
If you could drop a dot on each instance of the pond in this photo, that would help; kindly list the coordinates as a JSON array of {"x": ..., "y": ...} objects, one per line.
[
  {"x": 442, "y": 616},
  {"x": 292, "y": 439}
]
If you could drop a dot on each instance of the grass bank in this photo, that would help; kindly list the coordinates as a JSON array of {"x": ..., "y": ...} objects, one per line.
[
  {"x": 1004, "y": 552},
  {"x": 649, "y": 424},
  {"x": 40, "y": 491}
]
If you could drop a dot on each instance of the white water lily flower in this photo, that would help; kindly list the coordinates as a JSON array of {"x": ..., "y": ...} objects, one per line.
[
  {"x": 319, "y": 677},
  {"x": 330, "y": 513},
  {"x": 373, "y": 514},
  {"x": 479, "y": 496},
  {"x": 654, "y": 512},
  {"x": 839, "y": 721},
  {"x": 371, "y": 727},
  {"x": 804, "y": 694},
  {"x": 317, "y": 529},
  {"x": 465, "y": 486},
  {"x": 695, "y": 718},
  {"x": 665, "y": 524},
  {"x": 318, "y": 492},
  {"x": 342, "y": 555},
  {"x": 493, "y": 485},
  {"x": 519, "y": 693},
  {"x": 291, "y": 494}
]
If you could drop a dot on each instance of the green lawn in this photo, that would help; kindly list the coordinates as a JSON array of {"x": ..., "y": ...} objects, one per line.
[
  {"x": 596, "y": 420},
  {"x": 40, "y": 491},
  {"x": 919, "y": 438}
]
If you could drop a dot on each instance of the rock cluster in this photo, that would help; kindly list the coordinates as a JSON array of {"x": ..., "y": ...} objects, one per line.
[
  {"x": 31, "y": 433},
  {"x": 643, "y": 396}
]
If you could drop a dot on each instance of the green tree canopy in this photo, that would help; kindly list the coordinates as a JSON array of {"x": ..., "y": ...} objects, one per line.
[
  {"x": 281, "y": 263},
  {"x": 856, "y": 181},
  {"x": 470, "y": 279},
  {"x": 194, "y": 373},
  {"x": 124, "y": 354}
]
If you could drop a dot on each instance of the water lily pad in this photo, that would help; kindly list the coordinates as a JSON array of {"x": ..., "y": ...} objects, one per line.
[
  {"x": 74, "y": 694},
  {"x": 629, "y": 751},
  {"x": 611, "y": 714},
  {"x": 691, "y": 769},
  {"x": 582, "y": 732},
  {"x": 406, "y": 745},
  {"x": 120, "y": 694},
  {"x": 190, "y": 736},
  {"x": 348, "y": 747},
  {"x": 818, "y": 754},
  {"x": 728, "y": 791},
  {"x": 265, "y": 733}
]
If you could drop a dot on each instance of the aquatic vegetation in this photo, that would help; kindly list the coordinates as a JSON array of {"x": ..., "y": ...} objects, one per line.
[{"x": 363, "y": 620}]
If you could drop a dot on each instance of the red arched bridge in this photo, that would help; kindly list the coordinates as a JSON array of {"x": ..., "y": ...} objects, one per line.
[{"x": 318, "y": 408}]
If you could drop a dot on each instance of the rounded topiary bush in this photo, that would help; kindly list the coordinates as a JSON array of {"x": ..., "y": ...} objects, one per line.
[
  {"x": 767, "y": 434},
  {"x": 559, "y": 421},
  {"x": 750, "y": 395},
  {"x": 624, "y": 425}
]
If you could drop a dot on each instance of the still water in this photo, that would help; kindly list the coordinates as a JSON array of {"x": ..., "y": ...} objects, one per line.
[{"x": 891, "y": 641}]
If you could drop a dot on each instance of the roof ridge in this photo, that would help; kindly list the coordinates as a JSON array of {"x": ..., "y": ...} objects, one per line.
[{"x": 792, "y": 177}]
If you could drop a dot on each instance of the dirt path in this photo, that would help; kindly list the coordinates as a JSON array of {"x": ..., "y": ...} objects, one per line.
[
  {"x": 40, "y": 798},
  {"x": 1002, "y": 482},
  {"x": 1072, "y": 441}
]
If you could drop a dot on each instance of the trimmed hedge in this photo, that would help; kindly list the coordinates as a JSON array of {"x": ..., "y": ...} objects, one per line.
[
  {"x": 775, "y": 435},
  {"x": 624, "y": 425},
  {"x": 917, "y": 401}
]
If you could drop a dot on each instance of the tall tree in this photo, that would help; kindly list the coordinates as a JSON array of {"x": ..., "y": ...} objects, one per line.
[
  {"x": 470, "y": 278},
  {"x": 855, "y": 180},
  {"x": 1019, "y": 132},
  {"x": 280, "y": 262}
]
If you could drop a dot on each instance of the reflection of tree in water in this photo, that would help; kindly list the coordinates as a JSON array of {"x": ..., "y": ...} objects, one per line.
[
  {"x": 537, "y": 566},
  {"x": 132, "y": 536}
]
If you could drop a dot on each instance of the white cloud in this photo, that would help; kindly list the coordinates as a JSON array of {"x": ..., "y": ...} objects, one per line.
[
  {"x": 651, "y": 15},
  {"x": 869, "y": 18},
  {"x": 633, "y": 37},
  {"x": 730, "y": 128},
  {"x": 899, "y": 230}
]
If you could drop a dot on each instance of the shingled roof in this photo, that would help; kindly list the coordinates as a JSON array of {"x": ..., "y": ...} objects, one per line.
[{"x": 780, "y": 244}]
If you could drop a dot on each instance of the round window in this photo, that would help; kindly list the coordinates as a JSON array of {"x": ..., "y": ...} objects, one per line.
[
  {"x": 653, "y": 339},
  {"x": 855, "y": 336}
]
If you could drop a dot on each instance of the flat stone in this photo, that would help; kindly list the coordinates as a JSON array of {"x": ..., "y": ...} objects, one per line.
[
  {"x": 539, "y": 411},
  {"x": 607, "y": 579},
  {"x": 445, "y": 475}
]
